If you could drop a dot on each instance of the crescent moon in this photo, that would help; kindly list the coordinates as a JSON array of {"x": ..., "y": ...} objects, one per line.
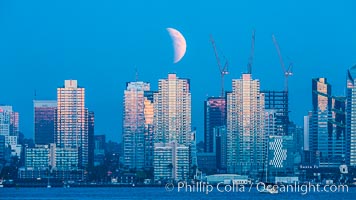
[{"x": 179, "y": 44}]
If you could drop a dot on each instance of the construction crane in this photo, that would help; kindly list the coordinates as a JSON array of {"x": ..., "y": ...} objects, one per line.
[
  {"x": 250, "y": 60},
  {"x": 287, "y": 72},
  {"x": 223, "y": 69}
]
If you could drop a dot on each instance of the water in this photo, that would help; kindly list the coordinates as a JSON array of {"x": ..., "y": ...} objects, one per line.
[{"x": 156, "y": 193}]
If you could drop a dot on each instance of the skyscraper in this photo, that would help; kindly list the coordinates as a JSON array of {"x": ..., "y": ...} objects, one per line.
[
  {"x": 351, "y": 116},
  {"x": 44, "y": 112},
  {"x": 327, "y": 138},
  {"x": 214, "y": 116},
  {"x": 71, "y": 127},
  {"x": 246, "y": 141},
  {"x": 172, "y": 126},
  {"x": 172, "y": 110},
  {"x": 134, "y": 124}
]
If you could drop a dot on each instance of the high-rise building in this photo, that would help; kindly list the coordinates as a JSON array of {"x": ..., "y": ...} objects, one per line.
[
  {"x": 246, "y": 141},
  {"x": 214, "y": 116},
  {"x": 44, "y": 112},
  {"x": 172, "y": 110},
  {"x": 351, "y": 116},
  {"x": 278, "y": 101},
  {"x": 172, "y": 126},
  {"x": 149, "y": 134},
  {"x": 134, "y": 124},
  {"x": 327, "y": 138},
  {"x": 71, "y": 127}
]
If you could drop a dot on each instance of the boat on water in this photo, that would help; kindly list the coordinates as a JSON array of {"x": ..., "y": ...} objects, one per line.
[{"x": 269, "y": 189}]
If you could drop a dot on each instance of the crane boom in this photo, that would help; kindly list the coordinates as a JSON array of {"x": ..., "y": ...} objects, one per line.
[
  {"x": 279, "y": 53},
  {"x": 286, "y": 72},
  {"x": 223, "y": 69}
]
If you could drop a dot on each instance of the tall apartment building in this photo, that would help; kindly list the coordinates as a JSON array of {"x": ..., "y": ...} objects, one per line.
[
  {"x": 246, "y": 141},
  {"x": 172, "y": 125},
  {"x": 134, "y": 124},
  {"x": 71, "y": 125}
]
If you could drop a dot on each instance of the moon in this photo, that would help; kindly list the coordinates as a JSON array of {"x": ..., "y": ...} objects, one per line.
[{"x": 179, "y": 44}]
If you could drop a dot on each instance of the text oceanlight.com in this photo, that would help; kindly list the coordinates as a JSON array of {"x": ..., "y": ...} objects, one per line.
[{"x": 260, "y": 187}]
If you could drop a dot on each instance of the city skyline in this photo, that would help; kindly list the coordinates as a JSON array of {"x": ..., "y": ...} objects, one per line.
[{"x": 44, "y": 51}]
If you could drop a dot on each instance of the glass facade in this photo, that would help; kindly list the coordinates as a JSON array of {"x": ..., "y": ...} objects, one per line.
[
  {"x": 44, "y": 112},
  {"x": 327, "y": 138}
]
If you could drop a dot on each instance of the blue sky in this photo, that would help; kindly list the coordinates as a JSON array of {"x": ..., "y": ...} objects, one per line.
[{"x": 100, "y": 43}]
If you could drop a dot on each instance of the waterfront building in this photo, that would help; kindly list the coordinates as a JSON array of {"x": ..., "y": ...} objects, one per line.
[
  {"x": 37, "y": 157},
  {"x": 172, "y": 128},
  {"x": 71, "y": 125},
  {"x": 246, "y": 141},
  {"x": 134, "y": 124}
]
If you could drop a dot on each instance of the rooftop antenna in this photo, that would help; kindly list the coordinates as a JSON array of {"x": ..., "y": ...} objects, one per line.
[
  {"x": 250, "y": 60},
  {"x": 136, "y": 74}
]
